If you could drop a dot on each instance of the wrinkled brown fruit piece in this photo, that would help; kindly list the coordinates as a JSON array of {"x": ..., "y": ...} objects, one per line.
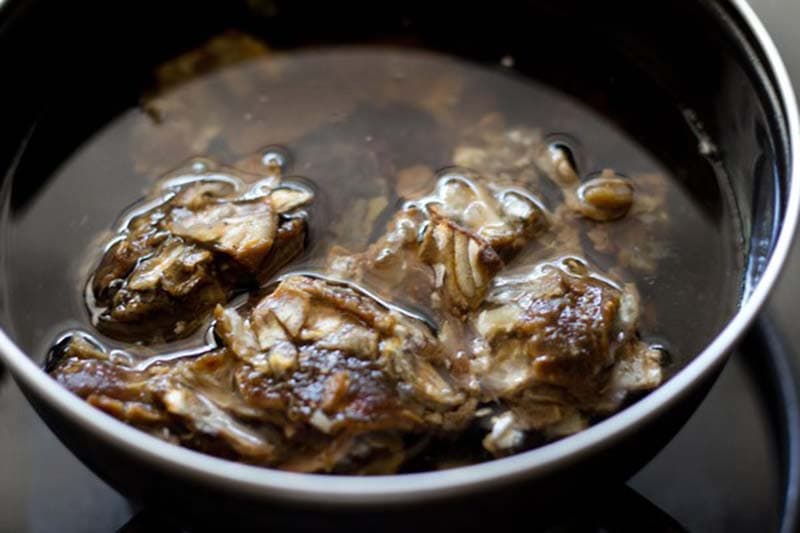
[
  {"x": 196, "y": 240},
  {"x": 320, "y": 375}
]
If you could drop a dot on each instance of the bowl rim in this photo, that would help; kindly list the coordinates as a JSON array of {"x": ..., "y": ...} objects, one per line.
[{"x": 362, "y": 491}]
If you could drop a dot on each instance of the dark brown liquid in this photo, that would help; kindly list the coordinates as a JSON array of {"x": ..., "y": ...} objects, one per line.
[{"x": 351, "y": 120}]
